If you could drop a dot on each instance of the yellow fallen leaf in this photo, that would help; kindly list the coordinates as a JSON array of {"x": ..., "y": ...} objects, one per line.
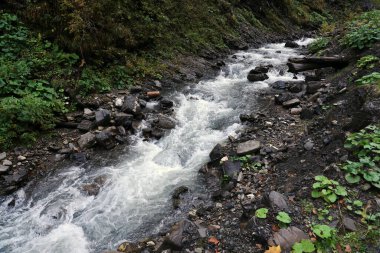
[{"x": 274, "y": 249}]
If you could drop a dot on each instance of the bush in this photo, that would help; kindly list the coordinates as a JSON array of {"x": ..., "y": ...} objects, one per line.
[
  {"x": 373, "y": 78},
  {"x": 363, "y": 31},
  {"x": 318, "y": 45},
  {"x": 367, "y": 62}
]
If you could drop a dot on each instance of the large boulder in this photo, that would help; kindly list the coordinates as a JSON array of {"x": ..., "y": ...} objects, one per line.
[
  {"x": 102, "y": 117},
  {"x": 87, "y": 140},
  {"x": 260, "y": 70},
  {"x": 257, "y": 77},
  {"x": 248, "y": 147},
  {"x": 131, "y": 105},
  {"x": 291, "y": 44}
]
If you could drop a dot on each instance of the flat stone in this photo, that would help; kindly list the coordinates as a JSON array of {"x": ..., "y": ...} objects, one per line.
[
  {"x": 349, "y": 224},
  {"x": 287, "y": 237},
  {"x": 3, "y": 156},
  {"x": 3, "y": 168},
  {"x": 88, "y": 112},
  {"x": 278, "y": 200},
  {"x": 291, "y": 103},
  {"x": 131, "y": 105},
  {"x": 102, "y": 117},
  {"x": 248, "y": 147},
  {"x": 295, "y": 111},
  {"x": 7, "y": 163},
  {"x": 86, "y": 125}
]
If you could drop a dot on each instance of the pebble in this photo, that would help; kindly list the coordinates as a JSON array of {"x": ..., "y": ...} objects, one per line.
[
  {"x": 21, "y": 158},
  {"x": 87, "y": 112},
  {"x": 119, "y": 102},
  {"x": 334, "y": 122},
  {"x": 198, "y": 250},
  {"x": 218, "y": 205},
  {"x": 150, "y": 244},
  {"x": 295, "y": 111},
  {"x": 309, "y": 145},
  {"x": 268, "y": 123},
  {"x": 3, "y": 168}
]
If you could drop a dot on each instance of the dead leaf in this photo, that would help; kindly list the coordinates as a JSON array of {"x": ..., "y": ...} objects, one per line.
[
  {"x": 275, "y": 228},
  {"x": 348, "y": 249},
  {"x": 274, "y": 249},
  {"x": 213, "y": 240}
]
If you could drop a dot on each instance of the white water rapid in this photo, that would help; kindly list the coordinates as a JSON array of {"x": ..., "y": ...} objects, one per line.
[{"x": 57, "y": 217}]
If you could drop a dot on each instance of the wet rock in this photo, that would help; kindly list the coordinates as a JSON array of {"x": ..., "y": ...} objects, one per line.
[
  {"x": 123, "y": 119},
  {"x": 7, "y": 163},
  {"x": 281, "y": 98},
  {"x": 291, "y": 44},
  {"x": 286, "y": 238},
  {"x": 232, "y": 169},
  {"x": 309, "y": 145},
  {"x": 4, "y": 169},
  {"x": 79, "y": 158},
  {"x": 102, "y": 117},
  {"x": 91, "y": 189},
  {"x": 257, "y": 77},
  {"x": 166, "y": 104},
  {"x": 248, "y": 147},
  {"x": 165, "y": 122},
  {"x": 131, "y": 105},
  {"x": 313, "y": 87},
  {"x": 291, "y": 103},
  {"x": 128, "y": 247},
  {"x": 87, "y": 140},
  {"x": 3, "y": 155},
  {"x": 105, "y": 139},
  {"x": 157, "y": 133},
  {"x": 216, "y": 153},
  {"x": 349, "y": 224},
  {"x": 176, "y": 196},
  {"x": 142, "y": 103},
  {"x": 121, "y": 130},
  {"x": 86, "y": 125},
  {"x": 279, "y": 85},
  {"x": 278, "y": 201},
  {"x": 260, "y": 70}
]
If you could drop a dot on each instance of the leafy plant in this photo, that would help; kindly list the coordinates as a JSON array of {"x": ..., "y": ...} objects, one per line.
[
  {"x": 318, "y": 45},
  {"x": 367, "y": 62},
  {"x": 327, "y": 189},
  {"x": 363, "y": 31},
  {"x": 247, "y": 162},
  {"x": 261, "y": 213},
  {"x": 305, "y": 246},
  {"x": 284, "y": 218},
  {"x": 326, "y": 237},
  {"x": 366, "y": 147},
  {"x": 373, "y": 78}
]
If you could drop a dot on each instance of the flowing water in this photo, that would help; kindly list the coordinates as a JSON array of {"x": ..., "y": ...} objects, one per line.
[{"x": 56, "y": 216}]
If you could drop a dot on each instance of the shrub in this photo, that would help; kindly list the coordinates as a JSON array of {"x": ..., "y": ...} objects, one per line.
[
  {"x": 327, "y": 189},
  {"x": 363, "y": 31},
  {"x": 318, "y": 45},
  {"x": 373, "y": 78},
  {"x": 367, "y": 62},
  {"x": 366, "y": 147}
]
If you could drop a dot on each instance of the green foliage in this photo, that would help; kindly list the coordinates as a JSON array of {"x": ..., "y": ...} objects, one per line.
[
  {"x": 247, "y": 162},
  {"x": 305, "y": 246},
  {"x": 367, "y": 62},
  {"x": 373, "y": 78},
  {"x": 284, "y": 218},
  {"x": 326, "y": 237},
  {"x": 327, "y": 189},
  {"x": 366, "y": 147},
  {"x": 363, "y": 31},
  {"x": 318, "y": 45},
  {"x": 261, "y": 213}
]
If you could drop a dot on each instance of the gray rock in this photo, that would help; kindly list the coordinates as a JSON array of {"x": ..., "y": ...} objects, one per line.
[
  {"x": 21, "y": 158},
  {"x": 165, "y": 122},
  {"x": 174, "y": 239},
  {"x": 216, "y": 153},
  {"x": 307, "y": 113},
  {"x": 87, "y": 112},
  {"x": 291, "y": 103},
  {"x": 286, "y": 238},
  {"x": 279, "y": 85},
  {"x": 91, "y": 189},
  {"x": 248, "y": 147},
  {"x": 131, "y": 105},
  {"x": 123, "y": 119},
  {"x": 260, "y": 70},
  {"x": 165, "y": 103},
  {"x": 313, "y": 87},
  {"x": 3, "y": 156},
  {"x": 7, "y": 163},
  {"x": 309, "y": 145},
  {"x": 102, "y": 117},
  {"x": 87, "y": 140},
  {"x": 232, "y": 169},
  {"x": 105, "y": 139},
  {"x": 257, "y": 77},
  {"x": 295, "y": 87},
  {"x": 86, "y": 125},
  {"x": 118, "y": 102},
  {"x": 349, "y": 224},
  {"x": 295, "y": 111},
  {"x": 278, "y": 200},
  {"x": 4, "y": 169}
]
